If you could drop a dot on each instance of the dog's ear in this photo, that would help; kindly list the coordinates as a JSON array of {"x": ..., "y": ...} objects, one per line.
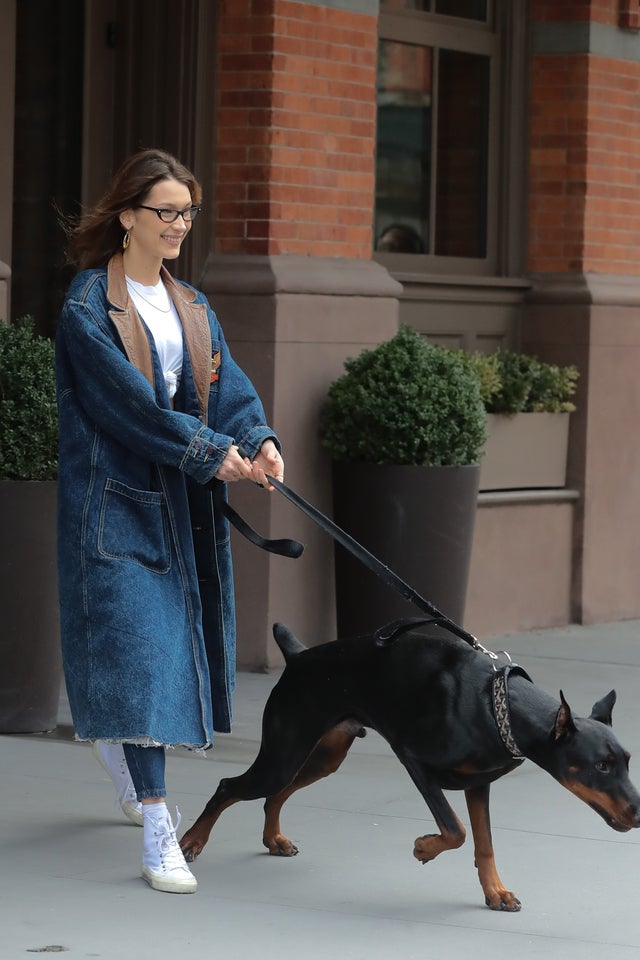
[
  {"x": 564, "y": 721},
  {"x": 603, "y": 709}
]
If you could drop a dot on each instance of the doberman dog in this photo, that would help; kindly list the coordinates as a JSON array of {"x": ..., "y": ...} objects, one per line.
[{"x": 454, "y": 721}]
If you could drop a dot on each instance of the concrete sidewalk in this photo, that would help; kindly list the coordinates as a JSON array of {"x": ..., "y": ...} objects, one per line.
[{"x": 70, "y": 862}]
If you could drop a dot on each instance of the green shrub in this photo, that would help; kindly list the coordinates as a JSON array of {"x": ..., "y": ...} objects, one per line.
[
  {"x": 527, "y": 385},
  {"x": 405, "y": 402},
  {"x": 28, "y": 414},
  {"x": 487, "y": 368}
]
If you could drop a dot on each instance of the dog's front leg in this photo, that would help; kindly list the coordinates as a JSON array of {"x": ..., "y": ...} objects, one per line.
[
  {"x": 497, "y": 897},
  {"x": 452, "y": 834}
]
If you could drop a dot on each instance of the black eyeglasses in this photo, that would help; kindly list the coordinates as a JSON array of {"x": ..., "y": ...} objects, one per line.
[{"x": 170, "y": 216}]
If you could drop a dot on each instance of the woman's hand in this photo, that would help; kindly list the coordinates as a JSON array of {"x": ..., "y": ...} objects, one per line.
[
  {"x": 234, "y": 467},
  {"x": 267, "y": 463}
]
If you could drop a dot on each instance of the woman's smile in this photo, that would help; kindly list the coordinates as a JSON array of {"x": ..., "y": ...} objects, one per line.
[{"x": 175, "y": 241}]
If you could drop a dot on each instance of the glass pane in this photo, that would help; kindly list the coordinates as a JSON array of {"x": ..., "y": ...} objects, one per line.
[
  {"x": 403, "y": 156},
  {"x": 462, "y": 148},
  {"x": 469, "y": 9}
]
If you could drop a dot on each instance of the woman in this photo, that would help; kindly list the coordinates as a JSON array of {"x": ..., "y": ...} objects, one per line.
[{"x": 153, "y": 413}]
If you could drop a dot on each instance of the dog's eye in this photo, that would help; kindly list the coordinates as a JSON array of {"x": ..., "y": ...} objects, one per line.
[{"x": 602, "y": 766}]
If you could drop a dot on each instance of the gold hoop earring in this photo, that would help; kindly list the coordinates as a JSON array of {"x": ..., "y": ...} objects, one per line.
[{"x": 126, "y": 240}]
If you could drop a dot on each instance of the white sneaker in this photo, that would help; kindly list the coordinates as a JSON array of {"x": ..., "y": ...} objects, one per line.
[
  {"x": 111, "y": 757},
  {"x": 163, "y": 864}
]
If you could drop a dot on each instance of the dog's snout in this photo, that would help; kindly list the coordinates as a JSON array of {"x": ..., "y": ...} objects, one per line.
[
  {"x": 629, "y": 811},
  {"x": 633, "y": 799}
]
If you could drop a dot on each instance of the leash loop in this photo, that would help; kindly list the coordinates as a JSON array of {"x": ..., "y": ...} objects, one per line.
[{"x": 284, "y": 548}]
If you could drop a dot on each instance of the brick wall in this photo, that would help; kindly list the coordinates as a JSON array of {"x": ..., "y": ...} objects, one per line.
[
  {"x": 576, "y": 11},
  {"x": 585, "y": 142},
  {"x": 295, "y": 129},
  {"x": 558, "y": 175}
]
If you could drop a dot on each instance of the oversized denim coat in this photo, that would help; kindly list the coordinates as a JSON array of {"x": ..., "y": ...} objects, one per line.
[{"x": 144, "y": 564}]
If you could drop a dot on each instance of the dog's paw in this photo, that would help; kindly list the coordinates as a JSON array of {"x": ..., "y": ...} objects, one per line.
[
  {"x": 426, "y": 848},
  {"x": 191, "y": 848},
  {"x": 191, "y": 855},
  {"x": 280, "y": 846},
  {"x": 503, "y": 900}
]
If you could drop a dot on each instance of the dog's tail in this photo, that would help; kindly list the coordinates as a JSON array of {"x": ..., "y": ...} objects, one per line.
[{"x": 287, "y": 641}]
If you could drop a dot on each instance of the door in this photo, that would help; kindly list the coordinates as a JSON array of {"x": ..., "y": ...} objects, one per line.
[
  {"x": 47, "y": 152},
  {"x": 96, "y": 81},
  {"x": 149, "y": 81}
]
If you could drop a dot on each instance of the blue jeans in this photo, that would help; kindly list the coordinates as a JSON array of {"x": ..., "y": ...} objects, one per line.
[{"x": 146, "y": 766}]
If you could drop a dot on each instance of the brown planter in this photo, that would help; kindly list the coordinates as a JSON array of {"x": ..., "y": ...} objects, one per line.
[
  {"x": 419, "y": 521},
  {"x": 31, "y": 670},
  {"x": 525, "y": 451}
]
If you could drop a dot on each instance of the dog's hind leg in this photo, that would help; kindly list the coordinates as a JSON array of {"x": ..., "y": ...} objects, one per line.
[
  {"x": 286, "y": 745},
  {"x": 323, "y": 760},
  {"x": 497, "y": 897},
  {"x": 264, "y": 778},
  {"x": 195, "y": 839}
]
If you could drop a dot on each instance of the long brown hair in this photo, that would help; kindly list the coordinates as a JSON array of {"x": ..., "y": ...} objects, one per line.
[{"x": 98, "y": 235}]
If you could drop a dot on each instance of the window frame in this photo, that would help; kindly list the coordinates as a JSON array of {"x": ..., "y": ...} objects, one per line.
[{"x": 502, "y": 37}]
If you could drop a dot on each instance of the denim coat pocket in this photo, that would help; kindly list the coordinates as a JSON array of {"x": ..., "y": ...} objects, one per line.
[{"x": 134, "y": 526}]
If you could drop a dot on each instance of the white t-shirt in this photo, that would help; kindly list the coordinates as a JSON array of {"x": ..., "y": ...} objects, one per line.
[{"x": 158, "y": 311}]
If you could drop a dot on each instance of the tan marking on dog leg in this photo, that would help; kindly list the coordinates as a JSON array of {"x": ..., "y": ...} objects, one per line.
[
  {"x": 496, "y": 895},
  {"x": 195, "y": 839},
  {"x": 433, "y": 844},
  {"x": 323, "y": 760},
  {"x": 276, "y": 843}
]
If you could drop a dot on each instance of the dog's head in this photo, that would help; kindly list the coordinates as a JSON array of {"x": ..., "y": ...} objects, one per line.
[{"x": 588, "y": 760}]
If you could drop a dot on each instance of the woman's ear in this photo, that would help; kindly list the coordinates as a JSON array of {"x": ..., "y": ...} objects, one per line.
[{"x": 126, "y": 219}]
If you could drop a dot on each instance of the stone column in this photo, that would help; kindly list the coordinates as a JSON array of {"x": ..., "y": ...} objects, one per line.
[{"x": 593, "y": 320}]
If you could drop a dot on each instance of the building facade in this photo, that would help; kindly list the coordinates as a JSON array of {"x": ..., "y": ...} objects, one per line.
[{"x": 501, "y": 135}]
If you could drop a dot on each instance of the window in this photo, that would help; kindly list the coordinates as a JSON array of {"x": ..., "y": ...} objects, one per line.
[{"x": 440, "y": 106}]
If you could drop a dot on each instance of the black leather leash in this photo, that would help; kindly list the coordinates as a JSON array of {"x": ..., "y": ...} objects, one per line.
[{"x": 292, "y": 548}]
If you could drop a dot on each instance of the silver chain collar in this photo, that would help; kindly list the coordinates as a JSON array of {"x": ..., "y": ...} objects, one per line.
[{"x": 501, "y": 712}]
